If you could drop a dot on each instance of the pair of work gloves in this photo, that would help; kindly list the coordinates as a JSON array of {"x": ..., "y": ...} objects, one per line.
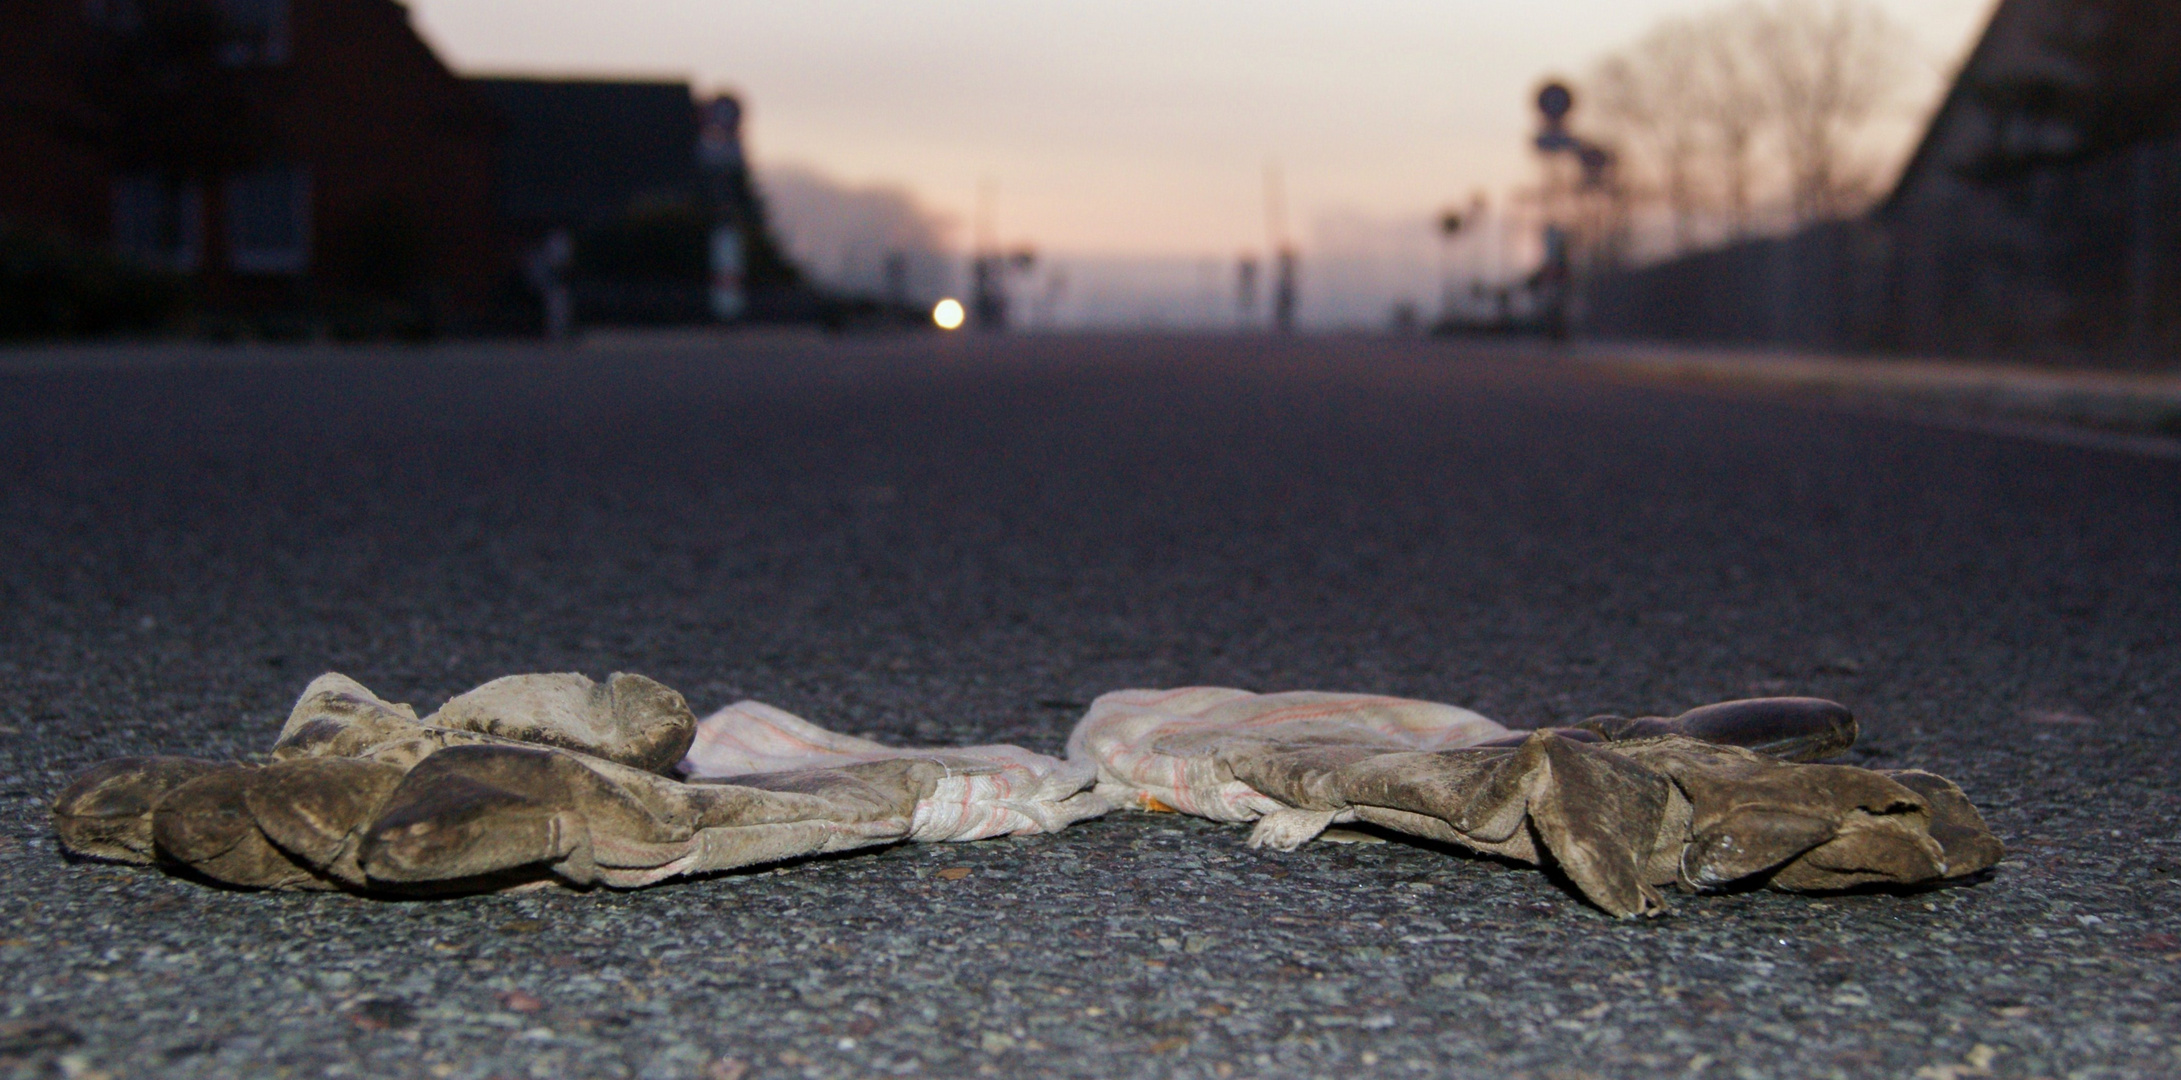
[{"x": 535, "y": 779}]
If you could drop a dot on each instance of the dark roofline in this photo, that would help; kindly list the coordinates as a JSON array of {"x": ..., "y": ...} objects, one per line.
[
  {"x": 535, "y": 79},
  {"x": 580, "y": 151},
  {"x": 1955, "y": 100}
]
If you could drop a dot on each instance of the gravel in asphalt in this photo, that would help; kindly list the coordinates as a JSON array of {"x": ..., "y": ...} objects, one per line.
[{"x": 958, "y": 539}]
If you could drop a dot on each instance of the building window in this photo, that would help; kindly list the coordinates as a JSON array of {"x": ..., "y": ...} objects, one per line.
[
  {"x": 121, "y": 16},
  {"x": 257, "y": 32},
  {"x": 252, "y": 33},
  {"x": 268, "y": 220},
  {"x": 159, "y": 222}
]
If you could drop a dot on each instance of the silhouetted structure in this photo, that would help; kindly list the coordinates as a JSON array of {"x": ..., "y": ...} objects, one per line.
[
  {"x": 2037, "y": 218},
  {"x": 1582, "y": 209},
  {"x": 310, "y": 166},
  {"x": 612, "y": 164},
  {"x": 1245, "y": 291},
  {"x": 288, "y": 157},
  {"x": 1285, "y": 286},
  {"x": 574, "y": 153},
  {"x": 643, "y": 179},
  {"x": 991, "y": 302}
]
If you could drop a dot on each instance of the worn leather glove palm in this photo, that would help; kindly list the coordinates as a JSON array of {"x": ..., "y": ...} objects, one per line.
[
  {"x": 1620, "y": 806},
  {"x": 543, "y": 777}
]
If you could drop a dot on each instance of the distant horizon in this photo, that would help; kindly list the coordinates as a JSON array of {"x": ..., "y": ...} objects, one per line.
[
  {"x": 1132, "y": 130},
  {"x": 1135, "y": 132}
]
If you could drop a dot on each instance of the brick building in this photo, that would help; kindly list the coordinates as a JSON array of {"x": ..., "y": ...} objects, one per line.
[{"x": 310, "y": 156}]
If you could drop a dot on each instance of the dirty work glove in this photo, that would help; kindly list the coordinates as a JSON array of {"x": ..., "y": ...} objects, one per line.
[
  {"x": 1621, "y": 806},
  {"x": 527, "y": 779}
]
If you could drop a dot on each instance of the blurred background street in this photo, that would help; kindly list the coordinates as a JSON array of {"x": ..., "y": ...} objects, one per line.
[{"x": 1921, "y": 178}]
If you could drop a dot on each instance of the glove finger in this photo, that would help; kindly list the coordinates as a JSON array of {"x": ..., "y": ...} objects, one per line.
[
  {"x": 472, "y": 812},
  {"x": 628, "y": 719},
  {"x": 1750, "y": 841},
  {"x": 1968, "y": 845},
  {"x": 106, "y": 811},
  {"x": 1791, "y": 729},
  {"x": 316, "y": 809},
  {"x": 1752, "y": 815},
  {"x": 337, "y": 717},
  {"x": 476, "y": 811},
  {"x": 1808, "y": 826},
  {"x": 1788, "y": 728},
  {"x": 1867, "y": 850},
  {"x": 1600, "y": 815},
  {"x": 206, "y": 825}
]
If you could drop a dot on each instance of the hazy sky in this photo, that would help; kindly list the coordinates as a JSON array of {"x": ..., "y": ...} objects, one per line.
[{"x": 1122, "y": 126}]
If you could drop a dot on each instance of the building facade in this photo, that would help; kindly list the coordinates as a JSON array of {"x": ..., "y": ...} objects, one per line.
[{"x": 310, "y": 158}]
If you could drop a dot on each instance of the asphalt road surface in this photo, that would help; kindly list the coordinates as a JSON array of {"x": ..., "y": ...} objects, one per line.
[{"x": 956, "y": 539}]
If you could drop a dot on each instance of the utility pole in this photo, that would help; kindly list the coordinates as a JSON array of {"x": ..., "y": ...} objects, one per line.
[
  {"x": 1245, "y": 292},
  {"x": 990, "y": 267},
  {"x": 987, "y": 292},
  {"x": 897, "y": 283},
  {"x": 1451, "y": 224},
  {"x": 1479, "y": 257},
  {"x": 1284, "y": 258}
]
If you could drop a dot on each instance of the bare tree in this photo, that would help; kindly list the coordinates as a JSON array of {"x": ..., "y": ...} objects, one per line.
[
  {"x": 1704, "y": 99},
  {"x": 1640, "y": 95},
  {"x": 1828, "y": 67},
  {"x": 1688, "y": 94},
  {"x": 1727, "y": 76}
]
